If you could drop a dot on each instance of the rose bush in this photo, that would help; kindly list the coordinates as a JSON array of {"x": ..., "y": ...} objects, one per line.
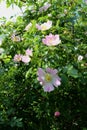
[{"x": 43, "y": 68}]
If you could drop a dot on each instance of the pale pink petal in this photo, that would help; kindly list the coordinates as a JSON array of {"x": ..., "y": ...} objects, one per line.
[
  {"x": 50, "y": 35},
  {"x": 38, "y": 26},
  {"x": 29, "y": 52},
  {"x": 40, "y": 72},
  {"x": 49, "y": 23},
  {"x": 51, "y": 71},
  {"x": 25, "y": 59},
  {"x": 41, "y": 75},
  {"x": 44, "y": 40},
  {"x": 56, "y": 81},
  {"x": 48, "y": 87}
]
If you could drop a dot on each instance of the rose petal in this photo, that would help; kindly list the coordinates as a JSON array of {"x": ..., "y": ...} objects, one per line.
[{"x": 48, "y": 87}]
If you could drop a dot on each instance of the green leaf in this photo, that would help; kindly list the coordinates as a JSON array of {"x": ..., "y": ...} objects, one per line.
[{"x": 72, "y": 72}]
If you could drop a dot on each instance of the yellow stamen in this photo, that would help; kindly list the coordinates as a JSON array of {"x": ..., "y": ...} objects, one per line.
[
  {"x": 48, "y": 77},
  {"x": 44, "y": 27}
]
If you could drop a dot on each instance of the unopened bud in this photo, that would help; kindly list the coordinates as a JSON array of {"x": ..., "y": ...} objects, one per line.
[{"x": 57, "y": 114}]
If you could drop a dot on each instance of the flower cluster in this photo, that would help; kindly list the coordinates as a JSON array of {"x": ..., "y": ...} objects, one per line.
[
  {"x": 24, "y": 58},
  {"x": 48, "y": 79},
  {"x": 49, "y": 40}
]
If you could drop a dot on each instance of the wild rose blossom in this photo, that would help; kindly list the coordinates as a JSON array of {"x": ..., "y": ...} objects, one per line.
[
  {"x": 15, "y": 38},
  {"x": 29, "y": 52},
  {"x": 51, "y": 40},
  {"x": 25, "y": 58},
  {"x": 45, "y": 26},
  {"x": 17, "y": 57},
  {"x": 28, "y": 26},
  {"x": 48, "y": 79},
  {"x": 45, "y": 7}
]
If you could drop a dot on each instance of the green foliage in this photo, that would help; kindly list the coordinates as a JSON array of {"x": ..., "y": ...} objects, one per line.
[{"x": 23, "y": 103}]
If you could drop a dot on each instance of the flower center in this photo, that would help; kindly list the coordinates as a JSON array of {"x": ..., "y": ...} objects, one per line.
[
  {"x": 48, "y": 77},
  {"x": 44, "y": 27},
  {"x": 15, "y": 38},
  {"x": 19, "y": 59},
  {"x": 50, "y": 40}
]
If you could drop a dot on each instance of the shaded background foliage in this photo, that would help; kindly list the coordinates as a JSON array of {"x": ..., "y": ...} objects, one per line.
[{"x": 23, "y": 103}]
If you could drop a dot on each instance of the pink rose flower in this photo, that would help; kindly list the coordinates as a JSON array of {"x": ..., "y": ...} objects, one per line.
[
  {"x": 25, "y": 59},
  {"x": 17, "y": 57},
  {"x": 29, "y": 52},
  {"x": 48, "y": 79},
  {"x": 45, "y": 26},
  {"x": 51, "y": 40}
]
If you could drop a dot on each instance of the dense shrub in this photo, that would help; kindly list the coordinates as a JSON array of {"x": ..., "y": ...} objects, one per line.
[{"x": 24, "y": 102}]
